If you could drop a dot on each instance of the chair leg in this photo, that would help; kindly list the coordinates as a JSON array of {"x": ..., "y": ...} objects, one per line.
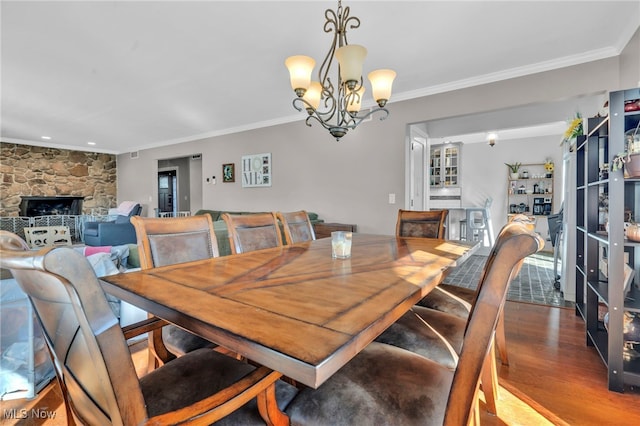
[
  {"x": 489, "y": 380},
  {"x": 158, "y": 353},
  {"x": 501, "y": 340}
]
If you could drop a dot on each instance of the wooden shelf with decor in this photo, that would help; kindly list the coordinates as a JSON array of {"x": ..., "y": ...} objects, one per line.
[
  {"x": 607, "y": 262},
  {"x": 532, "y": 194},
  {"x": 532, "y": 191}
]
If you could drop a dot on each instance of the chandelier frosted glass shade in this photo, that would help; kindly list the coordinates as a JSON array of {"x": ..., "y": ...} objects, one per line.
[
  {"x": 381, "y": 82},
  {"x": 336, "y": 104},
  {"x": 351, "y": 58},
  {"x": 313, "y": 95},
  {"x": 300, "y": 68}
]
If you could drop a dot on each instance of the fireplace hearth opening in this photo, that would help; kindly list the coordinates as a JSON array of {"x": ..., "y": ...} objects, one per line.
[{"x": 46, "y": 206}]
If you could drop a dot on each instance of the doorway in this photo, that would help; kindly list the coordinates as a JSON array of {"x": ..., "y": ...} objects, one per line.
[
  {"x": 179, "y": 185},
  {"x": 416, "y": 192},
  {"x": 167, "y": 191}
]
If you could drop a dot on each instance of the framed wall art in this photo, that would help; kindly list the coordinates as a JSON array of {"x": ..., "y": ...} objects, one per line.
[
  {"x": 256, "y": 170},
  {"x": 228, "y": 172}
]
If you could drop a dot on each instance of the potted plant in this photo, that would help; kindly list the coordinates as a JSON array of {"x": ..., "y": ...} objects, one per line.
[
  {"x": 574, "y": 129},
  {"x": 513, "y": 170},
  {"x": 548, "y": 167},
  {"x": 630, "y": 157}
]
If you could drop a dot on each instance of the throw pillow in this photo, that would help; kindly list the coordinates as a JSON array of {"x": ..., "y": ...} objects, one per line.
[{"x": 134, "y": 256}]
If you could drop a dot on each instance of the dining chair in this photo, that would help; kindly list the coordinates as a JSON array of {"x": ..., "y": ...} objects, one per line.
[
  {"x": 457, "y": 300},
  {"x": 424, "y": 224},
  {"x": 249, "y": 232},
  {"x": 439, "y": 335},
  {"x": 297, "y": 226},
  {"x": 388, "y": 385},
  {"x": 167, "y": 241},
  {"x": 93, "y": 363}
]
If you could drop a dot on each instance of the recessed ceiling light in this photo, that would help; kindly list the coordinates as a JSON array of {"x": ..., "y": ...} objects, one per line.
[
  {"x": 46, "y": 137},
  {"x": 91, "y": 143}
]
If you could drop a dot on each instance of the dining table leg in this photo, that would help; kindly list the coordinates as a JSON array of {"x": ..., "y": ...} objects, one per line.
[{"x": 268, "y": 407}]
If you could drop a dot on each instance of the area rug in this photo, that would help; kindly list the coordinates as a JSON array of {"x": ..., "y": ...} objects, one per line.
[{"x": 534, "y": 284}]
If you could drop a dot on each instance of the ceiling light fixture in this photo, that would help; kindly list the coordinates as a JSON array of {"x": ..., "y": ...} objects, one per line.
[
  {"x": 342, "y": 102},
  {"x": 492, "y": 137},
  {"x": 46, "y": 138},
  {"x": 91, "y": 143}
]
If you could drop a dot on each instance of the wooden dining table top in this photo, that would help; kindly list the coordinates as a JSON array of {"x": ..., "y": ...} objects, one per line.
[{"x": 294, "y": 308}]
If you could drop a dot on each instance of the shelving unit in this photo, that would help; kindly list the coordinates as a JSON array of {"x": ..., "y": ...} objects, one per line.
[
  {"x": 600, "y": 255},
  {"x": 534, "y": 190},
  {"x": 532, "y": 196}
]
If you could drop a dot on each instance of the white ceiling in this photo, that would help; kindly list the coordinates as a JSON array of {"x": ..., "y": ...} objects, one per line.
[{"x": 132, "y": 75}]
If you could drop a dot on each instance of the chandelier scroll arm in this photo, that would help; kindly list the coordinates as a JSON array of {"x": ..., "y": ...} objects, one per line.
[
  {"x": 322, "y": 117},
  {"x": 370, "y": 113}
]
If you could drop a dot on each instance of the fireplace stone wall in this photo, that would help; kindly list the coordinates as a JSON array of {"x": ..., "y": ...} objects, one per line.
[{"x": 38, "y": 171}]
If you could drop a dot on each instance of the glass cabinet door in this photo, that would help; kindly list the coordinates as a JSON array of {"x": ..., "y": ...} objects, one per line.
[
  {"x": 435, "y": 169},
  {"x": 444, "y": 167},
  {"x": 451, "y": 172}
]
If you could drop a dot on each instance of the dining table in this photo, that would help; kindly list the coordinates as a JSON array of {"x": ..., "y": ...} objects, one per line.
[{"x": 295, "y": 309}]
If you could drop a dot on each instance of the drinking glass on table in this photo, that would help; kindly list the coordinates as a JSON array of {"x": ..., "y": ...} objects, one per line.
[{"x": 341, "y": 244}]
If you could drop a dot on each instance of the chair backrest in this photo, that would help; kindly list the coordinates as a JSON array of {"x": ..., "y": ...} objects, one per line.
[
  {"x": 252, "y": 231},
  {"x": 423, "y": 224},
  {"x": 515, "y": 242},
  {"x": 167, "y": 241},
  {"x": 92, "y": 360},
  {"x": 297, "y": 226},
  {"x": 522, "y": 218}
]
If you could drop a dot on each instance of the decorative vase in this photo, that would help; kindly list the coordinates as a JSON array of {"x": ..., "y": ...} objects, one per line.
[
  {"x": 633, "y": 232},
  {"x": 631, "y": 327},
  {"x": 632, "y": 166}
]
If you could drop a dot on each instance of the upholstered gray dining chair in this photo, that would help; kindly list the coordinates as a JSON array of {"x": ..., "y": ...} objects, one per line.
[
  {"x": 457, "y": 300},
  {"x": 439, "y": 335},
  {"x": 249, "y": 232},
  {"x": 388, "y": 385},
  {"x": 93, "y": 363},
  {"x": 167, "y": 241},
  {"x": 423, "y": 224},
  {"x": 297, "y": 226}
]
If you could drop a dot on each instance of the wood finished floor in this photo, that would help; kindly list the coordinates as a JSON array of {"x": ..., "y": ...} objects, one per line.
[{"x": 553, "y": 377}]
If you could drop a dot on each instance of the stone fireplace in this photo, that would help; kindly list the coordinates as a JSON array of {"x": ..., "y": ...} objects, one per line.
[
  {"x": 45, "y": 206},
  {"x": 48, "y": 172}
]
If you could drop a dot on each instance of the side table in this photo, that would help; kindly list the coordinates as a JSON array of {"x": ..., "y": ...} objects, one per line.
[{"x": 324, "y": 230}]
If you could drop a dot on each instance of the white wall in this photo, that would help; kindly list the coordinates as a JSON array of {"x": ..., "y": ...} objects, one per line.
[
  {"x": 630, "y": 63},
  {"x": 485, "y": 175},
  {"x": 349, "y": 181}
]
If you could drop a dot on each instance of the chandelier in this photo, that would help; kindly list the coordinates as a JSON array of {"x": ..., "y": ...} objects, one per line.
[{"x": 337, "y": 108}]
